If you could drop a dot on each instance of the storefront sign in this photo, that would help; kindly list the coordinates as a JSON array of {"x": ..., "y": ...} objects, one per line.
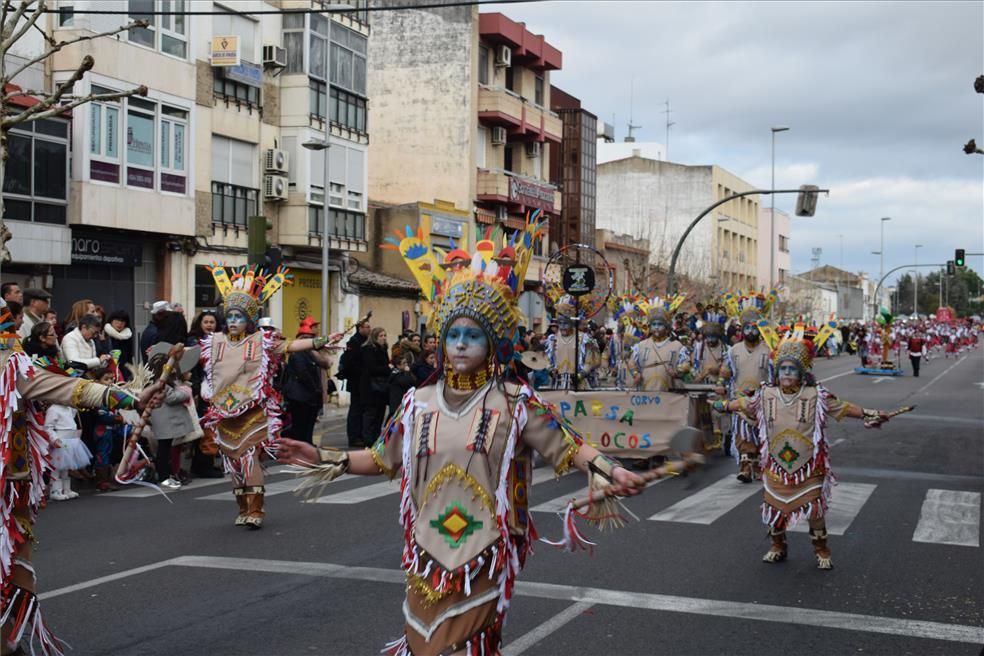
[
  {"x": 447, "y": 227},
  {"x": 225, "y": 51},
  {"x": 246, "y": 73},
  {"x": 97, "y": 248},
  {"x": 627, "y": 424},
  {"x": 579, "y": 279},
  {"x": 531, "y": 194}
]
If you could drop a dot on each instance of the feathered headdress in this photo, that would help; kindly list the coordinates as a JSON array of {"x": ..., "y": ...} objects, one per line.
[
  {"x": 247, "y": 288},
  {"x": 751, "y": 306},
  {"x": 662, "y": 309},
  {"x": 483, "y": 286},
  {"x": 801, "y": 343}
]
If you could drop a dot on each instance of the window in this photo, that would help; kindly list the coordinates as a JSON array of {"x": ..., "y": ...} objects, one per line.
[
  {"x": 341, "y": 224},
  {"x": 234, "y": 181},
  {"x": 294, "y": 42},
  {"x": 155, "y": 148},
  {"x": 235, "y": 91},
  {"x": 35, "y": 186},
  {"x": 66, "y": 15},
  {"x": 538, "y": 91},
  {"x": 233, "y": 24},
  {"x": 348, "y": 59},
  {"x": 345, "y": 109},
  {"x": 484, "y": 55},
  {"x": 783, "y": 244},
  {"x": 166, "y": 33},
  {"x": 347, "y": 188}
]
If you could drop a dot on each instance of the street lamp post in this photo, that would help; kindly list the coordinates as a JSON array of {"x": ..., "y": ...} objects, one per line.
[
  {"x": 772, "y": 219},
  {"x": 324, "y": 145},
  {"x": 915, "y": 283}
]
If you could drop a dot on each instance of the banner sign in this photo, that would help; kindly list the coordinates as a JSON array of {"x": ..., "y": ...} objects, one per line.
[
  {"x": 627, "y": 424},
  {"x": 225, "y": 51},
  {"x": 248, "y": 74},
  {"x": 531, "y": 194}
]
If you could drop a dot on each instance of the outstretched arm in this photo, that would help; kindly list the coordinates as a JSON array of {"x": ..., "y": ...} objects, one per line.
[
  {"x": 292, "y": 452},
  {"x": 316, "y": 343}
]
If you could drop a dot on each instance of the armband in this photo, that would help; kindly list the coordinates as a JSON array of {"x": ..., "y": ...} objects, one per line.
[
  {"x": 602, "y": 466},
  {"x": 336, "y": 458},
  {"x": 719, "y": 405},
  {"x": 332, "y": 463},
  {"x": 319, "y": 342}
]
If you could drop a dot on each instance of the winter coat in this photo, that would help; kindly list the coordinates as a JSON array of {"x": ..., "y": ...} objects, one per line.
[
  {"x": 77, "y": 348},
  {"x": 121, "y": 341},
  {"x": 302, "y": 379},
  {"x": 172, "y": 418},
  {"x": 374, "y": 367},
  {"x": 399, "y": 383}
]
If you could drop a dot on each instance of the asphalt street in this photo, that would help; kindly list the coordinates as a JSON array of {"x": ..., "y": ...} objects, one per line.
[{"x": 129, "y": 573}]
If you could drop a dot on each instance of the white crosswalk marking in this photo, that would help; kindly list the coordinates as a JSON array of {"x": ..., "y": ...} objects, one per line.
[
  {"x": 272, "y": 489},
  {"x": 559, "y": 504},
  {"x": 139, "y": 491},
  {"x": 845, "y": 504},
  {"x": 711, "y": 503},
  {"x": 950, "y": 517}
]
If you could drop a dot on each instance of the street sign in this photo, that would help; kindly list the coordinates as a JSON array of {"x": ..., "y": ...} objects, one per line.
[
  {"x": 225, "y": 51},
  {"x": 579, "y": 279}
]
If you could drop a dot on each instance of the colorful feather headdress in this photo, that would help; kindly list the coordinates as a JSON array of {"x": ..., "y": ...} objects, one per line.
[
  {"x": 247, "y": 288},
  {"x": 750, "y": 306},
  {"x": 801, "y": 343},
  {"x": 662, "y": 309},
  {"x": 484, "y": 285}
]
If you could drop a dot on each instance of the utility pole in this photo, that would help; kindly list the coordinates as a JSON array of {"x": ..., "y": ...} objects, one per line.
[
  {"x": 629, "y": 138},
  {"x": 669, "y": 124}
]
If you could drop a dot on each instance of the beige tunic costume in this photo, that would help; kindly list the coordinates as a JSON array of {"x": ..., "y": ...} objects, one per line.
[
  {"x": 658, "y": 363},
  {"x": 706, "y": 366},
  {"x": 466, "y": 459},
  {"x": 562, "y": 353},
  {"x": 24, "y": 448},
  {"x": 244, "y": 408},
  {"x": 745, "y": 370}
]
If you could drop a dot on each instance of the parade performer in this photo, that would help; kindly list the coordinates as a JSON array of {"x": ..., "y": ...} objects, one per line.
[
  {"x": 463, "y": 448},
  {"x": 790, "y": 418},
  {"x": 706, "y": 364},
  {"x": 240, "y": 365},
  {"x": 564, "y": 348},
  {"x": 746, "y": 367},
  {"x": 24, "y": 461},
  {"x": 629, "y": 329},
  {"x": 657, "y": 360}
]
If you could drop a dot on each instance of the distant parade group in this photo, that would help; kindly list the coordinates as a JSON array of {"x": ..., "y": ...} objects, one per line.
[{"x": 463, "y": 442}]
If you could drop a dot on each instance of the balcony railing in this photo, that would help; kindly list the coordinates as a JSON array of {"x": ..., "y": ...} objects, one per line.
[
  {"x": 231, "y": 204},
  {"x": 505, "y": 107}
]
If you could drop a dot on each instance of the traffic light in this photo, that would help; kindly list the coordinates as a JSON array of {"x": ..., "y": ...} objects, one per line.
[
  {"x": 958, "y": 258},
  {"x": 256, "y": 240},
  {"x": 806, "y": 200},
  {"x": 950, "y": 268}
]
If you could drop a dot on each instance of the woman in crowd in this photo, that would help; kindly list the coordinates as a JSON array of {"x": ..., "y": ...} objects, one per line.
[
  {"x": 401, "y": 379},
  {"x": 101, "y": 339},
  {"x": 375, "y": 384},
  {"x": 120, "y": 336},
  {"x": 79, "y": 310},
  {"x": 204, "y": 451},
  {"x": 425, "y": 366},
  {"x": 42, "y": 342}
]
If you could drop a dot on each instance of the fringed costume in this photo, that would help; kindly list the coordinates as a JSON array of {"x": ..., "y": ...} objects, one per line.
[
  {"x": 707, "y": 361},
  {"x": 573, "y": 356},
  {"x": 655, "y": 363},
  {"x": 463, "y": 450},
  {"x": 24, "y": 461}
]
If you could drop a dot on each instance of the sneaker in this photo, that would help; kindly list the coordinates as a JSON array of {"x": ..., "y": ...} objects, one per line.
[
  {"x": 172, "y": 484},
  {"x": 71, "y": 494},
  {"x": 59, "y": 496}
]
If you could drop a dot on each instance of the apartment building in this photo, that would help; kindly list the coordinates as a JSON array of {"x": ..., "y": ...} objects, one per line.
[
  {"x": 574, "y": 170},
  {"x": 781, "y": 262},
  {"x": 463, "y": 129},
  {"x": 656, "y": 200},
  {"x": 162, "y": 185}
]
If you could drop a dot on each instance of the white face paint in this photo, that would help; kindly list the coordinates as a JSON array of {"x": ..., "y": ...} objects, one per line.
[
  {"x": 236, "y": 323},
  {"x": 466, "y": 346},
  {"x": 790, "y": 374}
]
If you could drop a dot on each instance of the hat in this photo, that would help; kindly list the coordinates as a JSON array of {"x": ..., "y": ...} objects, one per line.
[
  {"x": 534, "y": 360},
  {"x": 266, "y": 322},
  {"x": 33, "y": 292},
  {"x": 160, "y": 306},
  {"x": 247, "y": 288},
  {"x": 307, "y": 326}
]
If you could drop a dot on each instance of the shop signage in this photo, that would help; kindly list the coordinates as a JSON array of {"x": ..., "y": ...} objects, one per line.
[
  {"x": 97, "y": 248},
  {"x": 245, "y": 73},
  {"x": 447, "y": 227},
  {"x": 225, "y": 51},
  {"x": 579, "y": 279},
  {"x": 531, "y": 194}
]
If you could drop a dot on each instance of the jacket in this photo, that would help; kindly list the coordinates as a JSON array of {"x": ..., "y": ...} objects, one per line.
[
  {"x": 172, "y": 419},
  {"x": 121, "y": 341},
  {"x": 29, "y": 321},
  {"x": 374, "y": 366},
  {"x": 302, "y": 380},
  {"x": 76, "y": 348}
]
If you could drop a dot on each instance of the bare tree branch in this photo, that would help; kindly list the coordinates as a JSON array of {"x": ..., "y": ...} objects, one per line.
[
  {"x": 53, "y": 99},
  {"x": 61, "y": 109},
  {"x": 8, "y": 26},
  {"x": 63, "y": 44},
  {"x": 22, "y": 30}
]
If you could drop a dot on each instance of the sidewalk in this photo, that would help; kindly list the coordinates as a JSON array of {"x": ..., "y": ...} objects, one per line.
[{"x": 330, "y": 427}]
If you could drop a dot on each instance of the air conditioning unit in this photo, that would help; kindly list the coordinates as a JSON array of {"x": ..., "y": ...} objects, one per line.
[
  {"x": 274, "y": 187},
  {"x": 503, "y": 56},
  {"x": 498, "y": 136},
  {"x": 532, "y": 149},
  {"x": 274, "y": 56},
  {"x": 277, "y": 161},
  {"x": 501, "y": 213}
]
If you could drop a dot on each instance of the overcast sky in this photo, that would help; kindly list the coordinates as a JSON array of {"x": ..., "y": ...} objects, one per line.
[{"x": 878, "y": 97}]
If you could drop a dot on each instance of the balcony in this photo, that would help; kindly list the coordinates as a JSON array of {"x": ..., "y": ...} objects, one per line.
[
  {"x": 518, "y": 192},
  {"x": 498, "y": 106}
]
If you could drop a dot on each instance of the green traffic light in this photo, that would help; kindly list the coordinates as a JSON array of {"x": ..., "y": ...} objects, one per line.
[{"x": 958, "y": 257}]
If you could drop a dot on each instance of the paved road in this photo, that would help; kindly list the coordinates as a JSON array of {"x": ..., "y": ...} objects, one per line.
[{"x": 129, "y": 573}]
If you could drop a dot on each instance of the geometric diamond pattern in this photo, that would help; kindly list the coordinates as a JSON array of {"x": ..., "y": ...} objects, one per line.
[
  {"x": 788, "y": 454},
  {"x": 455, "y": 525}
]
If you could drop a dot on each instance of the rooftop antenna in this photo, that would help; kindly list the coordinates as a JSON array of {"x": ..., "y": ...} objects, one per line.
[
  {"x": 629, "y": 138},
  {"x": 669, "y": 124}
]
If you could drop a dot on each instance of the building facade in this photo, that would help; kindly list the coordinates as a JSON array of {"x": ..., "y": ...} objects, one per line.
[
  {"x": 574, "y": 170},
  {"x": 656, "y": 200},
  {"x": 162, "y": 185},
  {"x": 782, "y": 263}
]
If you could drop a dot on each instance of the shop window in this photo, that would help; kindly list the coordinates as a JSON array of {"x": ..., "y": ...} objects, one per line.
[
  {"x": 342, "y": 224},
  {"x": 166, "y": 32},
  {"x": 35, "y": 186}
]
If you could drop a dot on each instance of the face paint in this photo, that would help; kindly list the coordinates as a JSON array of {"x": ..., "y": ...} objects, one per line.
[
  {"x": 790, "y": 374},
  {"x": 712, "y": 341},
  {"x": 466, "y": 346},
  {"x": 236, "y": 322},
  {"x": 750, "y": 332},
  {"x": 660, "y": 327}
]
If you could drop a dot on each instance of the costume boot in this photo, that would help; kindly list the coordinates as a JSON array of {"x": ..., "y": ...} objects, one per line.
[
  {"x": 745, "y": 471},
  {"x": 777, "y": 552},
  {"x": 240, "y": 493},
  {"x": 254, "y": 503},
  {"x": 818, "y": 535},
  {"x": 104, "y": 480}
]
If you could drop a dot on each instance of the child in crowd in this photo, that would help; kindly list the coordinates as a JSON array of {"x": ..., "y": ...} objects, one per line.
[
  {"x": 103, "y": 430},
  {"x": 171, "y": 420},
  {"x": 68, "y": 452}
]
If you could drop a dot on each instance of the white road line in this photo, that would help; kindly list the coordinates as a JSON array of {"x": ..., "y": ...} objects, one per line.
[
  {"x": 845, "y": 504},
  {"x": 840, "y": 375},
  {"x": 597, "y": 596},
  {"x": 940, "y": 375},
  {"x": 950, "y": 517},
  {"x": 558, "y": 621},
  {"x": 559, "y": 504},
  {"x": 711, "y": 503},
  {"x": 272, "y": 489}
]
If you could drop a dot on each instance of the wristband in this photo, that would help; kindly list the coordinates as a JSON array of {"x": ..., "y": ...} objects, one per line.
[
  {"x": 602, "y": 466},
  {"x": 334, "y": 457},
  {"x": 719, "y": 405},
  {"x": 319, "y": 342}
]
